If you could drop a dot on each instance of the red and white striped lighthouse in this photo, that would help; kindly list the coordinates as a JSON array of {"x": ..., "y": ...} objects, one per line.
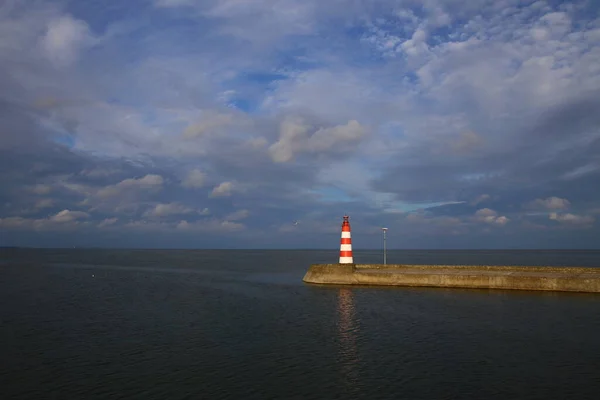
[{"x": 346, "y": 243}]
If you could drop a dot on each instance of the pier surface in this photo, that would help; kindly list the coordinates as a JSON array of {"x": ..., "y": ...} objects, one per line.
[{"x": 569, "y": 279}]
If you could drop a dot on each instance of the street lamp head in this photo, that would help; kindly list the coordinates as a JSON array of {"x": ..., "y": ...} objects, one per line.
[{"x": 384, "y": 229}]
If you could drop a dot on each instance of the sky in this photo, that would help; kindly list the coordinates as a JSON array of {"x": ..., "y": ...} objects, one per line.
[{"x": 259, "y": 124}]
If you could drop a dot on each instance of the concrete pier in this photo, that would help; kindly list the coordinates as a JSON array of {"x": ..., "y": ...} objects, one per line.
[{"x": 568, "y": 279}]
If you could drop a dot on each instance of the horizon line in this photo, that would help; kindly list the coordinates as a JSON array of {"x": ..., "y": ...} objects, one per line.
[{"x": 291, "y": 249}]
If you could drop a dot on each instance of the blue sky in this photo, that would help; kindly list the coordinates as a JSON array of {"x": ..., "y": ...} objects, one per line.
[{"x": 184, "y": 123}]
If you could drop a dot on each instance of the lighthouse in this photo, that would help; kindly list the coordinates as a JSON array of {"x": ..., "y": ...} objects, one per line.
[{"x": 346, "y": 243}]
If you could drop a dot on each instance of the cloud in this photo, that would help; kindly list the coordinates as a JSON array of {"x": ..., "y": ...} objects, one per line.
[
  {"x": 550, "y": 203},
  {"x": 168, "y": 121},
  {"x": 194, "y": 179},
  {"x": 172, "y": 3},
  {"x": 210, "y": 123},
  {"x": 224, "y": 189},
  {"x": 480, "y": 199},
  {"x": 68, "y": 216},
  {"x": 63, "y": 220},
  {"x": 177, "y": 227},
  {"x": 237, "y": 215},
  {"x": 44, "y": 203},
  {"x": 100, "y": 172},
  {"x": 211, "y": 226},
  {"x": 107, "y": 222},
  {"x": 467, "y": 142},
  {"x": 169, "y": 209},
  {"x": 296, "y": 136},
  {"x": 148, "y": 182},
  {"x": 64, "y": 39},
  {"x": 41, "y": 189},
  {"x": 490, "y": 216},
  {"x": 568, "y": 218}
]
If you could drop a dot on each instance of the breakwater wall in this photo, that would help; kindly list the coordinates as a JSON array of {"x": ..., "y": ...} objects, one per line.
[{"x": 569, "y": 279}]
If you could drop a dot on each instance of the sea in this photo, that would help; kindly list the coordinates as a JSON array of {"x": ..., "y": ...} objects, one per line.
[{"x": 241, "y": 324}]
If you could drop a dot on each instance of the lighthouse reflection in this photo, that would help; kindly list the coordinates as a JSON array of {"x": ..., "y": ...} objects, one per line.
[{"x": 347, "y": 333}]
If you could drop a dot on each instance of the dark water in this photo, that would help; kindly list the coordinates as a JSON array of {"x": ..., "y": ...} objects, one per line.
[{"x": 95, "y": 324}]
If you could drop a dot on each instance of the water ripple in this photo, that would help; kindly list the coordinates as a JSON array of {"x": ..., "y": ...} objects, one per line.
[{"x": 189, "y": 327}]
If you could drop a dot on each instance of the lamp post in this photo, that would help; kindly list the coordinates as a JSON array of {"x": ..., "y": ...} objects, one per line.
[{"x": 384, "y": 249}]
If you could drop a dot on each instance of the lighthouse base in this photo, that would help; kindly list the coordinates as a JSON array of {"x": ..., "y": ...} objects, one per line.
[
  {"x": 570, "y": 279},
  {"x": 330, "y": 274}
]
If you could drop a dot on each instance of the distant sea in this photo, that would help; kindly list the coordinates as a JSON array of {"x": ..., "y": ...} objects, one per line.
[{"x": 241, "y": 324}]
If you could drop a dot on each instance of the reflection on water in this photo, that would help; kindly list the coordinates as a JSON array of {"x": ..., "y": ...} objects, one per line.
[
  {"x": 347, "y": 331},
  {"x": 238, "y": 324}
]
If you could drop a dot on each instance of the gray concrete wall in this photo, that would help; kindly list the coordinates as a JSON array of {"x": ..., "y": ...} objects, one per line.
[{"x": 574, "y": 279}]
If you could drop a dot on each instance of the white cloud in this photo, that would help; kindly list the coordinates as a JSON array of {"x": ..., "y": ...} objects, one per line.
[
  {"x": 64, "y": 39},
  {"x": 581, "y": 171},
  {"x": 480, "y": 199},
  {"x": 263, "y": 22},
  {"x": 163, "y": 210},
  {"x": 65, "y": 220},
  {"x": 573, "y": 219},
  {"x": 194, "y": 179},
  {"x": 502, "y": 220},
  {"x": 148, "y": 182},
  {"x": 107, "y": 222},
  {"x": 212, "y": 226},
  {"x": 237, "y": 215},
  {"x": 337, "y": 138},
  {"x": 540, "y": 34},
  {"x": 210, "y": 122},
  {"x": 416, "y": 46},
  {"x": 490, "y": 216},
  {"x": 550, "y": 203},
  {"x": 486, "y": 212},
  {"x": 169, "y": 209},
  {"x": 222, "y": 190},
  {"x": 209, "y": 226},
  {"x": 295, "y": 138},
  {"x": 322, "y": 91},
  {"x": 68, "y": 216},
  {"x": 127, "y": 197}
]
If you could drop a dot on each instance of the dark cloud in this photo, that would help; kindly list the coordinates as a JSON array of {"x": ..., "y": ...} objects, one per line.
[{"x": 558, "y": 156}]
